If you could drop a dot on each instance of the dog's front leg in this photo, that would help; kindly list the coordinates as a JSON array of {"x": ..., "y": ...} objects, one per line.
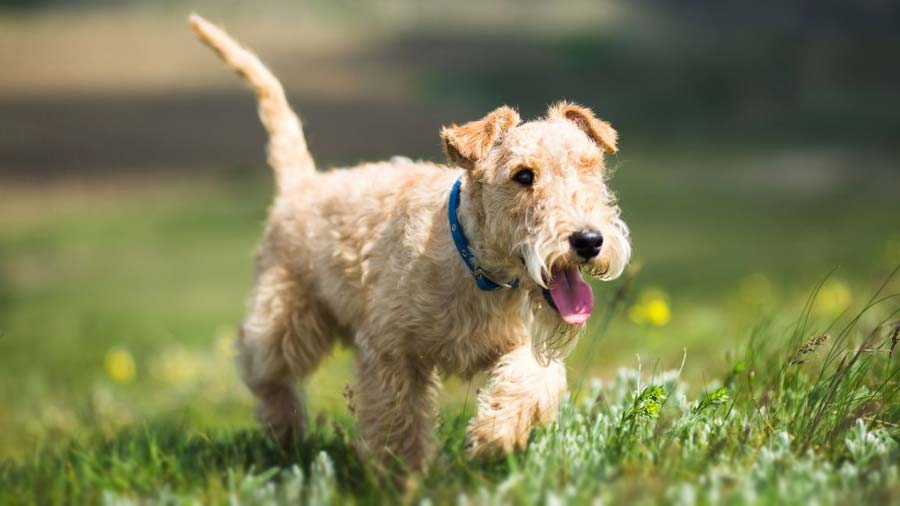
[
  {"x": 396, "y": 404},
  {"x": 520, "y": 394}
]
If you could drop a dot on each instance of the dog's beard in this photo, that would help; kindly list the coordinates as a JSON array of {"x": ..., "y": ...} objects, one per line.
[{"x": 552, "y": 337}]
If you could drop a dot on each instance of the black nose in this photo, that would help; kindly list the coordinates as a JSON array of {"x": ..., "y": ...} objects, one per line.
[{"x": 586, "y": 243}]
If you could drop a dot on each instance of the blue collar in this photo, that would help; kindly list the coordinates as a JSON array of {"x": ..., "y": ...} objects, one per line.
[{"x": 462, "y": 246}]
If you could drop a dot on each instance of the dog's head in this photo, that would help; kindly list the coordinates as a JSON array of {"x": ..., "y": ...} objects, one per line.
[{"x": 539, "y": 190}]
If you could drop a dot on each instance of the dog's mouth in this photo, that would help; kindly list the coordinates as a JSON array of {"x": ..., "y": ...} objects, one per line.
[{"x": 569, "y": 295}]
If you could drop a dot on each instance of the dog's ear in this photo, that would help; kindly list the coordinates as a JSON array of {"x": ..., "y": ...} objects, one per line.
[
  {"x": 598, "y": 130},
  {"x": 468, "y": 143}
]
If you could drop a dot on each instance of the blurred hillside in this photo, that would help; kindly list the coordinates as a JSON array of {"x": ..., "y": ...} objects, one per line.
[{"x": 97, "y": 87}]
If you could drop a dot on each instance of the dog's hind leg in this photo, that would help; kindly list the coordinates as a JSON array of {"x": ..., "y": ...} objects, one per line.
[{"x": 282, "y": 339}]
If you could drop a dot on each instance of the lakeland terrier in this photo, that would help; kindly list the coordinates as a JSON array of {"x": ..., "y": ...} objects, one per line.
[{"x": 429, "y": 270}]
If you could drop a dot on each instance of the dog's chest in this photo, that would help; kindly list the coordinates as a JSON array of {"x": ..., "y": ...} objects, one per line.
[{"x": 470, "y": 335}]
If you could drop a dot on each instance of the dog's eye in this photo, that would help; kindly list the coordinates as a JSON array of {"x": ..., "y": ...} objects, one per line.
[{"x": 524, "y": 177}]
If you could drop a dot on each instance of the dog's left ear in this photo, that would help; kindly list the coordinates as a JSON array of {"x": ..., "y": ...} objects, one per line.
[
  {"x": 466, "y": 144},
  {"x": 598, "y": 130}
]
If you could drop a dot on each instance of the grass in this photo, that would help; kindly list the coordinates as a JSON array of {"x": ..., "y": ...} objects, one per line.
[
  {"x": 773, "y": 430},
  {"x": 701, "y": 379}
]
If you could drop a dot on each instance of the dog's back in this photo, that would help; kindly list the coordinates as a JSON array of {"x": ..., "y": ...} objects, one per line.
[{"x": 348, "y": 230}]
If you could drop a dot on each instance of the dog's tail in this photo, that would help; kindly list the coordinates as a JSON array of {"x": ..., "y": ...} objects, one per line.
[{"x": 289, "y": 156}]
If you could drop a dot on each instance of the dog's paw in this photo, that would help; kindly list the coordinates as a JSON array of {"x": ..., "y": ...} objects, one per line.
[
  {"x": 287, "y": 434},
  {"x": 284, "y": 417},
  {"x": 493, "y": 438}
]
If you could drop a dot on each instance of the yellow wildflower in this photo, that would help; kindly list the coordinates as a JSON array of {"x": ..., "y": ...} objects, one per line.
[
  {"x": 658, "y": 312},
  {"x": 833, "y": 298},
  {"x": 119, "y": 365},
  {"x": 652, "y": 307}
]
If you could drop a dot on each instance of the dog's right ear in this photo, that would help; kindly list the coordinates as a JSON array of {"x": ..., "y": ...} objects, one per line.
[{"x": 468, "y": 143}]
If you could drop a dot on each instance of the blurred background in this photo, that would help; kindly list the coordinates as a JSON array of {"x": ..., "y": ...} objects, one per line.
[{"x": 759, "y": 153}]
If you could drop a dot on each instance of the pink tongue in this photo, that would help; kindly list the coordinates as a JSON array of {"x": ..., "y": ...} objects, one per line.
[{"x": 573, "y": 297}]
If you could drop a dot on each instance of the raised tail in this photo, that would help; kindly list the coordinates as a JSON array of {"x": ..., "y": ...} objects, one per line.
[{"x": 289, "y": 156}]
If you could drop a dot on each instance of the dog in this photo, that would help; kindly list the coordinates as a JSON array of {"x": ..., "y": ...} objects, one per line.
[{"x": 429, "y": 270}]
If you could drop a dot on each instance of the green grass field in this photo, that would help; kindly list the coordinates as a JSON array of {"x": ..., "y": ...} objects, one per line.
[{"x": 118, "y": 302}]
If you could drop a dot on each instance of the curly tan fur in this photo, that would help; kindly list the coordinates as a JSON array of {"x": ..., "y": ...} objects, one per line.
[{"x": 365, "y": 255}]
